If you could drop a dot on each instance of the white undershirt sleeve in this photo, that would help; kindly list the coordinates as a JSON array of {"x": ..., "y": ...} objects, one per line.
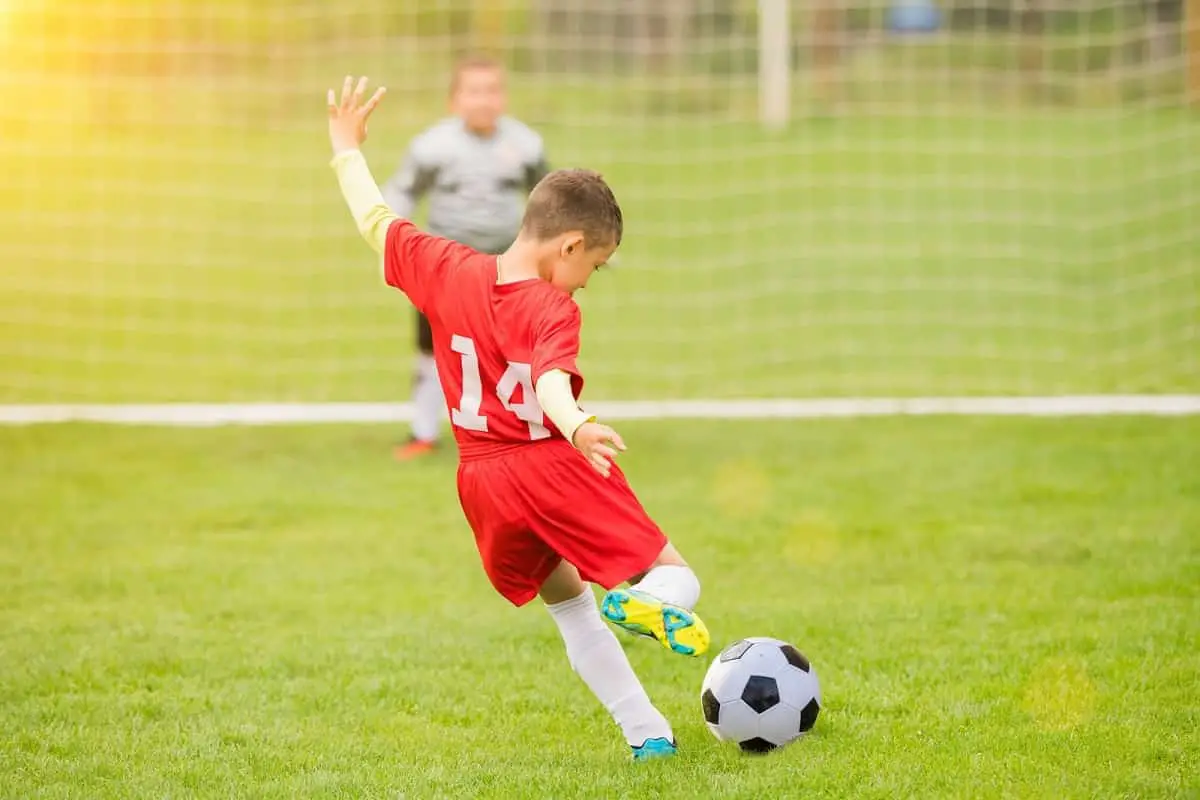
[
  {"x": 558, "y": 402},
  {"x": 370, "y": 211}
]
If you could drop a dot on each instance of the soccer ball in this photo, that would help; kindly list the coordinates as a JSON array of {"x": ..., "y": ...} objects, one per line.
[{"x": 761, "y": 693}]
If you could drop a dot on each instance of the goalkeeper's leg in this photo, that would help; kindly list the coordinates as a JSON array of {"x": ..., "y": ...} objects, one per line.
[{"x": 426, "y": 397}]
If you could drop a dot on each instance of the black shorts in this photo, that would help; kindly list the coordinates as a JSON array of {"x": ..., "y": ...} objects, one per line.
[{"x": 424, "y": 335}]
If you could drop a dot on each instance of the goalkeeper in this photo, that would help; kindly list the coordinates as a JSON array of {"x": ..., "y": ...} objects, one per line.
[{"x": 477, "y": 167}]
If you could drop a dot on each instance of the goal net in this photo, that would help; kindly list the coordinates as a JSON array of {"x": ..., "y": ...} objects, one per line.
[{"x": 856, "y": 199}]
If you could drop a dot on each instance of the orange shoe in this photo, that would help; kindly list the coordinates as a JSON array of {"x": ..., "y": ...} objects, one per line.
[{"x": 414, "y": 449}]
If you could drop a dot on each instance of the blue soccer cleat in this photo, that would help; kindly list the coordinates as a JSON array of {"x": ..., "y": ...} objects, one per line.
[
  {"x": 677, "y": 629},
  {"x": 654, "y": 748}
]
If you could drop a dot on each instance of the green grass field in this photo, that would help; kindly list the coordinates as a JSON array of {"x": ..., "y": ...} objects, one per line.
[{"x": 997, "y": 608}]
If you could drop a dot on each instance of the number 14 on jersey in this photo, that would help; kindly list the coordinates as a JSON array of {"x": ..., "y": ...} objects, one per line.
[{"x": 466, "y": 415}]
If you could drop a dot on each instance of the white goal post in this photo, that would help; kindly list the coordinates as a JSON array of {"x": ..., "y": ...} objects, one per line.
[{"x": 774, "y": 62}]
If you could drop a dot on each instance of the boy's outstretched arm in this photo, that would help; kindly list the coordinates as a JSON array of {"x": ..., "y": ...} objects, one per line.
[{"x": 347, "y": 131}]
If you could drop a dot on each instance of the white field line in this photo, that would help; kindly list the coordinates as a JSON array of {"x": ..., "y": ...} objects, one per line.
[{"x": 199, "y": 414}]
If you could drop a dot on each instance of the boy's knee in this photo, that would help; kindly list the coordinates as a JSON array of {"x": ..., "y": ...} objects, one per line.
[
  {"x": 673, "y": 583},
  {"x": 669, "y": 557}
]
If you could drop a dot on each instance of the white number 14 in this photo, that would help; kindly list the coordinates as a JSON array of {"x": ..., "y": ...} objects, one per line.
[{"x": 467, "y": 414}]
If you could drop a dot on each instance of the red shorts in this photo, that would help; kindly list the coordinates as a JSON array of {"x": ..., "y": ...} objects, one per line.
[{"x": 540, "y": 504}]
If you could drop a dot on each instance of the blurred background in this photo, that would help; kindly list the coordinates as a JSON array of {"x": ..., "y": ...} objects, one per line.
[{"x": 831, "y": 198}]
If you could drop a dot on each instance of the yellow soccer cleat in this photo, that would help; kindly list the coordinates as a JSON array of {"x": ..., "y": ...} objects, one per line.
[{"x": 677, "y": 629}]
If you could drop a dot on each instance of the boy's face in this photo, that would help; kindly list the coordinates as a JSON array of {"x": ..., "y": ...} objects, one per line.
[
  {"x": 577, "y": 263},
  {"x": 479, "y": 98}
]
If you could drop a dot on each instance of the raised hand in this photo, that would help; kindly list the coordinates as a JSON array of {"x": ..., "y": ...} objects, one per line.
[
  {"x": 599, "y": 444},
  {"x": 348, "y": 118}
]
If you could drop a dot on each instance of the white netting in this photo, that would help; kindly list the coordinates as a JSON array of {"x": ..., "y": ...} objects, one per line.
[{"x": 1009, "y": 205}]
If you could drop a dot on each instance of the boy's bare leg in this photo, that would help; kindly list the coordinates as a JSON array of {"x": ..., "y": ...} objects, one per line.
[
  {"x": 596, "y": 656},
  {"x": 563, "y": 584}
]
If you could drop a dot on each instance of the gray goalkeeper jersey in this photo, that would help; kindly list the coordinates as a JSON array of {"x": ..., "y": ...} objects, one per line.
[{"x": 477, "y": 186}]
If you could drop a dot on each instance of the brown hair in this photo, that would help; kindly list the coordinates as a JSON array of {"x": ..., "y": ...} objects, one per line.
[
  {"x": 574, "y": 200},
  {"x": 469, "y": 62}
]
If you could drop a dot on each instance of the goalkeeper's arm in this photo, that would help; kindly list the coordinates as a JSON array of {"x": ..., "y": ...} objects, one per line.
[{"x": 410, "y": 183}]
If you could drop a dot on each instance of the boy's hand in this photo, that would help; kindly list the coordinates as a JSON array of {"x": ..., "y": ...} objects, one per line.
[
  {"x": 348, "y": 118},
  {"x": 599, "y": 445}
]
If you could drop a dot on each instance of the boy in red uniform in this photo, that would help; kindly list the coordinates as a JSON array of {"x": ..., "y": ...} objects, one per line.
[{"x": 550, "y": 511}]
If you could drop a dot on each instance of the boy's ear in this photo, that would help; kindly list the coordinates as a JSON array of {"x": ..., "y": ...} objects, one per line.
[{"x": 571, "y": 243}]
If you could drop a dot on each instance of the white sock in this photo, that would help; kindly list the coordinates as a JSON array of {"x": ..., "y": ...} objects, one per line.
[
  {"x": 672, "y": 583},
  {"x": 598, "y": 659},
  {"x": 428, "y": 406}
]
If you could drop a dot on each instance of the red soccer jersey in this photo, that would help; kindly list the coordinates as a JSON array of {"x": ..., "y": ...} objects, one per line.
[{"x": 491, "y": 342}]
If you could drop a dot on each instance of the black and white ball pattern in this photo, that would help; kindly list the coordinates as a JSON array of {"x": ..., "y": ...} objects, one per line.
[{"x": 761, "y": 693}]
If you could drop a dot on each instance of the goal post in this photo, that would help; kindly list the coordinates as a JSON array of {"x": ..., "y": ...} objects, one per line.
[
  {"x": 1192, "y": 17},
  {"x": 774, "y": 63}
]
